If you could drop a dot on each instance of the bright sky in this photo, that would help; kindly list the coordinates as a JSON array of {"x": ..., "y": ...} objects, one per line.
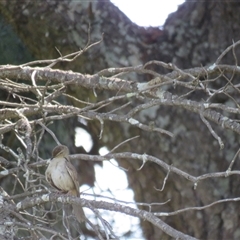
[{"x": 148, "y": 12}]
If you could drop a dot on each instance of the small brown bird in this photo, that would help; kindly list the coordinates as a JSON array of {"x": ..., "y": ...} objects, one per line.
[{"x": 62, "y": 175}]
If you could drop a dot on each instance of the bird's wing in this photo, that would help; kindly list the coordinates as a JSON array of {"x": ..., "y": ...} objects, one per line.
[{"x": 73, "y": 174}]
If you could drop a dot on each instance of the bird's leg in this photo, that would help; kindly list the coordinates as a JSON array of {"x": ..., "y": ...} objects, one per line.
[{"x": 60, "y": 192}]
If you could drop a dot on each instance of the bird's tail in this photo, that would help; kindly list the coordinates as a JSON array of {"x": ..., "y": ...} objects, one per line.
[
  {"x": 77, "y": 209},
  {"x": 79, "y": 213}
]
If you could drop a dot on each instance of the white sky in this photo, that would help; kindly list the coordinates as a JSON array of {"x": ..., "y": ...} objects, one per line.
[{"x": 148, "y": 12}]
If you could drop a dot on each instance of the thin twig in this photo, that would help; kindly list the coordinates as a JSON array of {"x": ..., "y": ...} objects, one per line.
[
  {"x": 120, "y": 144},
  {"x": 232, "y": 162},
  {"x": 220, "y": 142},
  {"x": 196, "y": 208}
]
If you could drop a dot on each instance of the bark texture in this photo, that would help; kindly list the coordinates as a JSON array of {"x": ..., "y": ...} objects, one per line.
[{"x": 195, "y": 35}]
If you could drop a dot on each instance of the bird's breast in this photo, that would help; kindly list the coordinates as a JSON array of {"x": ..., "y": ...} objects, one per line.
[{"x": 61, "y": 177}]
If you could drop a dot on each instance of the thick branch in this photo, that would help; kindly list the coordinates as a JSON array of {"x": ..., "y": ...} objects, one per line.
[
  {"x": 67, "y": 77},
  {"x": 30, "y": 202}
]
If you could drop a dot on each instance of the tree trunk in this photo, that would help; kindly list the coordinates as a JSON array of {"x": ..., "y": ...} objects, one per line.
[{"x": 193, "y": 36}]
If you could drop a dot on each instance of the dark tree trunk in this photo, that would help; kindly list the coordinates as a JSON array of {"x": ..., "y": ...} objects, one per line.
[{"x": 193, "y": 36}]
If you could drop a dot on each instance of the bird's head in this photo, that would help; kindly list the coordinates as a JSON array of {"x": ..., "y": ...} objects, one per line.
[{"x": 60, "y": 151}]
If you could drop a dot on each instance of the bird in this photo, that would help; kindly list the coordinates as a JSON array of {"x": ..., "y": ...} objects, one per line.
[{"x": 62, "y": 175}]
